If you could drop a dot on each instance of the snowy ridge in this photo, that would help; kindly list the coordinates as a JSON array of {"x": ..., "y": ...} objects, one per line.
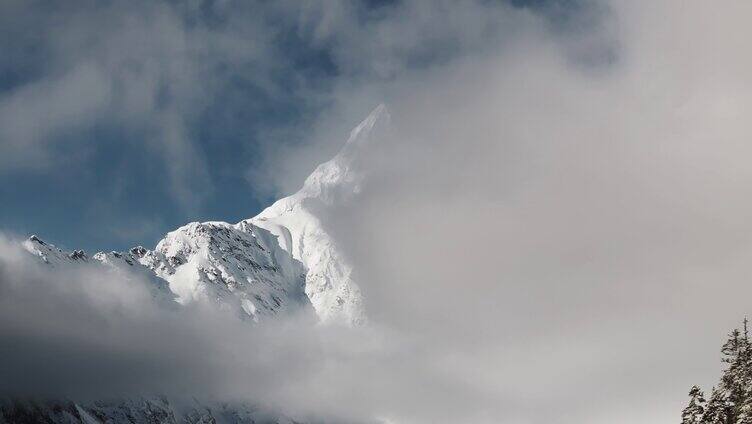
[
  {"x": 52, "y": 255},
  {"x": 240, "y": 268},
  {"x": 124, "y": 264}
]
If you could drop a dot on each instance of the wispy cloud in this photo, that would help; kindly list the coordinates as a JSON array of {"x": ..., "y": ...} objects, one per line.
[{"x": 146, "y": 67}]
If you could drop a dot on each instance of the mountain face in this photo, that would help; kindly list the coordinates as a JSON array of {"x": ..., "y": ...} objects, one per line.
[{"x": 282, "y": 260}]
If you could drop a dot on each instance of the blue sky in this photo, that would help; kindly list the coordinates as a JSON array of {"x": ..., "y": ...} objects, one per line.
[{"x": 123, "y": 120}]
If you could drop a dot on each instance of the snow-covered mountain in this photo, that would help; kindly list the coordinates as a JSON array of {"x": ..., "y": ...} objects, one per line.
[{"x": 283, "y": 260}]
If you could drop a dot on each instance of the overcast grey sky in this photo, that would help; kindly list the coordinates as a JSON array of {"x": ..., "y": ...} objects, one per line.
[{"x": 556, "y": 231}]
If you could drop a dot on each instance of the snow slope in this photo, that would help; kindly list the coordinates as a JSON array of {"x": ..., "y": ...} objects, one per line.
[
  {"x": 240, "y": 266},
  {"x": 297, "y": 222}
]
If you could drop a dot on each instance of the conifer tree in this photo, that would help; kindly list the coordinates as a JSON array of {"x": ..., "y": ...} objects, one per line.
[
  {"x": 717, "y": 409},
  {"x": 745, "y": 360},
  {"x": 745, "y": 410},
  {"x": 731, "y": 400},
  {"x": 735, "y": 378},
  {"x": 693, "y": 413}
]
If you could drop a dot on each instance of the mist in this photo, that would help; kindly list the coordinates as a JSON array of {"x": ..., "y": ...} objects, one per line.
[
  {"x": 555, "y": 229},
  {"x": 560, "y": 223}
]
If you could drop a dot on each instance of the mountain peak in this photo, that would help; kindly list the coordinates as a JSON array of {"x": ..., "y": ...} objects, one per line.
[
  {"x": 374, "y": 124},
  {"x": 35, "y": 239},
  {"x": 378, "y": 116},
  {"x": 341, "y": 176}
]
